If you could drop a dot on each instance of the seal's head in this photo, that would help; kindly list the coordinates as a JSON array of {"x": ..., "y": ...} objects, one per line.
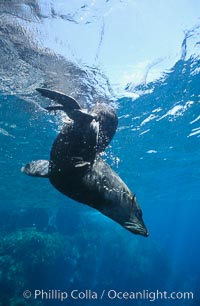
[{"x": 136, "y": 224}]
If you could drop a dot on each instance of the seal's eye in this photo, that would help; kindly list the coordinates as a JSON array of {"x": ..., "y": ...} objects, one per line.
[{"x": 138, "y": 214}]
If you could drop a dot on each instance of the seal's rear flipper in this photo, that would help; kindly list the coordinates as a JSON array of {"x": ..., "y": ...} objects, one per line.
[
  {"x": 69, "y": 105},
  {"x": 38, "y": 168}
]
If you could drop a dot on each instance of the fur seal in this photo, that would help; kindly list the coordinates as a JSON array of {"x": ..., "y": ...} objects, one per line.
[{"x": 76, "y": 168}]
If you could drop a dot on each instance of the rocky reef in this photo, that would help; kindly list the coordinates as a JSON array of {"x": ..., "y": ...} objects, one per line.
[{"x": 64, "y": 257}]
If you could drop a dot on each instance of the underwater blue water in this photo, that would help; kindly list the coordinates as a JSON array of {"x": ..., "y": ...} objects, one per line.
[
  {"x": 49, "y": 242},
  {"x": 156, "y": 151}
]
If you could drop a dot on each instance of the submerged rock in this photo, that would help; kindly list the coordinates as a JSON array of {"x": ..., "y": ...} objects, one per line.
[{"x": 31, "y": 259}]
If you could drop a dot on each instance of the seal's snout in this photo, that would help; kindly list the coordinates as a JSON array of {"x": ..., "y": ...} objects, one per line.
[
  {"x": 137, "y": 227},
  {"x": 143, "y": 232},
  {"x": 146, "y": 234}
]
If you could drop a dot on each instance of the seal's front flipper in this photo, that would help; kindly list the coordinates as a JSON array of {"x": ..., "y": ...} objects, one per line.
[
  {"x": 54, "y": 108},
  {"x": 83, "y": 116},
  {"x": 38, "y": 168},
  {"x": 69, "y": 105}
]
